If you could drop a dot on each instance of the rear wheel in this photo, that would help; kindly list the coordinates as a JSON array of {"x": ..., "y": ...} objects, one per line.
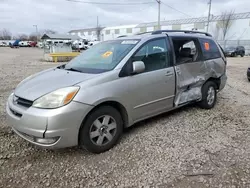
[
  {"x": 101, "y": 130},
  {"x": 209, "y": 95},
  {"x": 242, "y": 54},
  {"x": 248, "y": 79}
]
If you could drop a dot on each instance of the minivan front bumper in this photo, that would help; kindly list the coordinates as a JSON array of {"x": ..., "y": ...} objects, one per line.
[{"x": 49, "y": 128}]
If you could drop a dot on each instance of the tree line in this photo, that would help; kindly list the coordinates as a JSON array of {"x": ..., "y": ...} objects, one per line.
[{"x": 6, "y": 34}]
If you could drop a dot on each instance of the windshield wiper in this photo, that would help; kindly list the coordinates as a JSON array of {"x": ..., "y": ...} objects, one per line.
[
  {"x": 72, "y": 69},
  {"x": 61, "y": 66}
]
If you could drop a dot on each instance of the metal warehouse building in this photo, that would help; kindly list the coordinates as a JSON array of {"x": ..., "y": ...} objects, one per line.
[{"x": 238, "y": 33}]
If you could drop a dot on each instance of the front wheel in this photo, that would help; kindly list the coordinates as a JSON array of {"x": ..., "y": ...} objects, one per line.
[
  {"x": 209, "y": 95},
  {"x": 101, "y": 130}
]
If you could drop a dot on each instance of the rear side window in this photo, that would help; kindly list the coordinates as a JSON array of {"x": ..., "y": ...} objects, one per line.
[{"x": 210, "y": 49}]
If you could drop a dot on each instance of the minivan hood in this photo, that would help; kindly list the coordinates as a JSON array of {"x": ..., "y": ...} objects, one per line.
[{"x": 48, "y": 81}]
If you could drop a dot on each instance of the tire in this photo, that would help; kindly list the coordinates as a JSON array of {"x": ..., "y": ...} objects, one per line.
[
  {"x": 233, "y": 55},
  {"x": 101, "y": 132},
  {"x": 248, "y": 79},
  {"x": 242, "y": 55},
  {"x": 207, "y": 89}
]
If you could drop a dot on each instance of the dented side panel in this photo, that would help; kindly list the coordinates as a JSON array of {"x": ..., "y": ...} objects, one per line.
[
  {"x": 216, "y": 68},
  {"x": 190, "y": 78}
]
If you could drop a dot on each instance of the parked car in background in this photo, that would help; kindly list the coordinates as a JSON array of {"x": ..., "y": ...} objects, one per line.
[
  {"x": 39, "y": 45},
  {"x": 32, "y": 44},
  {"x": 24, "y": 44},
  {"x": 3, "y": 44},
  {"x": 235, "y": 51},
  {"x": 114, "y": 84},
  {"x": 15, "y": 44},
  {"x": 80, "y": 45},
  {"x": 91, "y": 43}
]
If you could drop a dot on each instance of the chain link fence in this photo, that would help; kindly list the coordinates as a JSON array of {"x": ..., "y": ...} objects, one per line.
[{"x": 234, "y": 43}]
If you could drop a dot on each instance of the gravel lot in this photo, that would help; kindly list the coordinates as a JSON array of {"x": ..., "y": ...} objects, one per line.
[{"x": 186, "y": 148}]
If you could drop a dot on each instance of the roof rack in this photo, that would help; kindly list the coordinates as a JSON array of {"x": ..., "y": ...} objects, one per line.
[
  {"x": 180, "y": 31},
  {"x": 122, "y": 36},
  {"x": 144, "y": 33}
]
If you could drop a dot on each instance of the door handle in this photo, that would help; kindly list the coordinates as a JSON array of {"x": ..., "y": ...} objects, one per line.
[
  {"x": 178, "y": 70},
  {"x": 169, "y": 73}
]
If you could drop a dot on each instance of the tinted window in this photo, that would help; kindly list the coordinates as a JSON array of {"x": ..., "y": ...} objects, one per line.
[
  {"x": 153, "y": 54},
  {"x": 210, "y": 49}
]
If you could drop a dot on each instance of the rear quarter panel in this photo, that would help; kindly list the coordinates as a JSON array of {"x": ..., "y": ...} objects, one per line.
[{"x": 215, "y": 68}]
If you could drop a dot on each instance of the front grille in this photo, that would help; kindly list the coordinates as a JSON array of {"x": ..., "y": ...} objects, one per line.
[{"x": 23, "y": 102}]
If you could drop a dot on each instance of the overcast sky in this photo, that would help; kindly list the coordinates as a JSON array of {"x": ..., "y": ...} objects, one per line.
[{"x": 19, "y": 16}]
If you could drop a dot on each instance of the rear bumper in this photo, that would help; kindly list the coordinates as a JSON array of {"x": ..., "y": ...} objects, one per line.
[
  {"x": 49, "y": 128},
  {"x": 223, "y": 81}
]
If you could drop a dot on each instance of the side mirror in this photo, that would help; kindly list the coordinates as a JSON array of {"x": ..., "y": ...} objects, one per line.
[{"x": 138, "y": 67}]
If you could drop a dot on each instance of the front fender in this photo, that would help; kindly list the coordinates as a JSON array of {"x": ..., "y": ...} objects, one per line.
[{"x": 90, "y": 98}]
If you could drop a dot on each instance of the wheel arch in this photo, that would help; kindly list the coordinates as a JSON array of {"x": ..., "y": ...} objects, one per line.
[
  {"x": 217, "y": 81},
  {"x": 117, "y": 105}
]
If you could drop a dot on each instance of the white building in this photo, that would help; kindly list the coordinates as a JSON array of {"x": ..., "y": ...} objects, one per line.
[
  {"x": 239, "y": 30},
  {"x": 89, "y": 34},
  {"x": 113, "y": 32}
]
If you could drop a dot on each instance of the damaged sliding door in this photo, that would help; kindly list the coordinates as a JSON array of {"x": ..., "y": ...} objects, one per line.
[{"x": 189, "y": 80}]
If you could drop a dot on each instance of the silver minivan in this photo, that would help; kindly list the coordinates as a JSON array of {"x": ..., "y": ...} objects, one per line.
[{"x": 90, "y": 100}]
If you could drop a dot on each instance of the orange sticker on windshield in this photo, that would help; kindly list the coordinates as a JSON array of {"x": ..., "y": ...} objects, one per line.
[
  {"x": 107, "y": 54},
  {"x": 206, "y": 45}
]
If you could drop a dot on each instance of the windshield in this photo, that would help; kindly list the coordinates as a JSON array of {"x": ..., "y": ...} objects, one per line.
[
  {"x": 102, "y": 57},
  {"x": 230, "y": 48}
]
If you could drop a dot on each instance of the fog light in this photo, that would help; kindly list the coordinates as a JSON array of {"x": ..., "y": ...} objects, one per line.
[{"x": 46, "y": 140}]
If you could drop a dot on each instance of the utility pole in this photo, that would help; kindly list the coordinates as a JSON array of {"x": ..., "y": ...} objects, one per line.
[
  {"x": 159, "y": 13},
  {"x": 209, "y": 13},
  {"x": 98, "y": 30},
  {"x": 36, "y": 32},
  {"x": 97, "y": 21}
]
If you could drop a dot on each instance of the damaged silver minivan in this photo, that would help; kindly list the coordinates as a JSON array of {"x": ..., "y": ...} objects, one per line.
[{"x": 90, "y": 100}]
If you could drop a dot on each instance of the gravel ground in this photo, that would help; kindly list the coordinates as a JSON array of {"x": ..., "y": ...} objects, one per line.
[{"x": 189, "y": 147}]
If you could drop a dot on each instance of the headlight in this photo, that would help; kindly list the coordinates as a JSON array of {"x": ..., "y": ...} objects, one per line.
[{"x": 56, "y": 98}]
